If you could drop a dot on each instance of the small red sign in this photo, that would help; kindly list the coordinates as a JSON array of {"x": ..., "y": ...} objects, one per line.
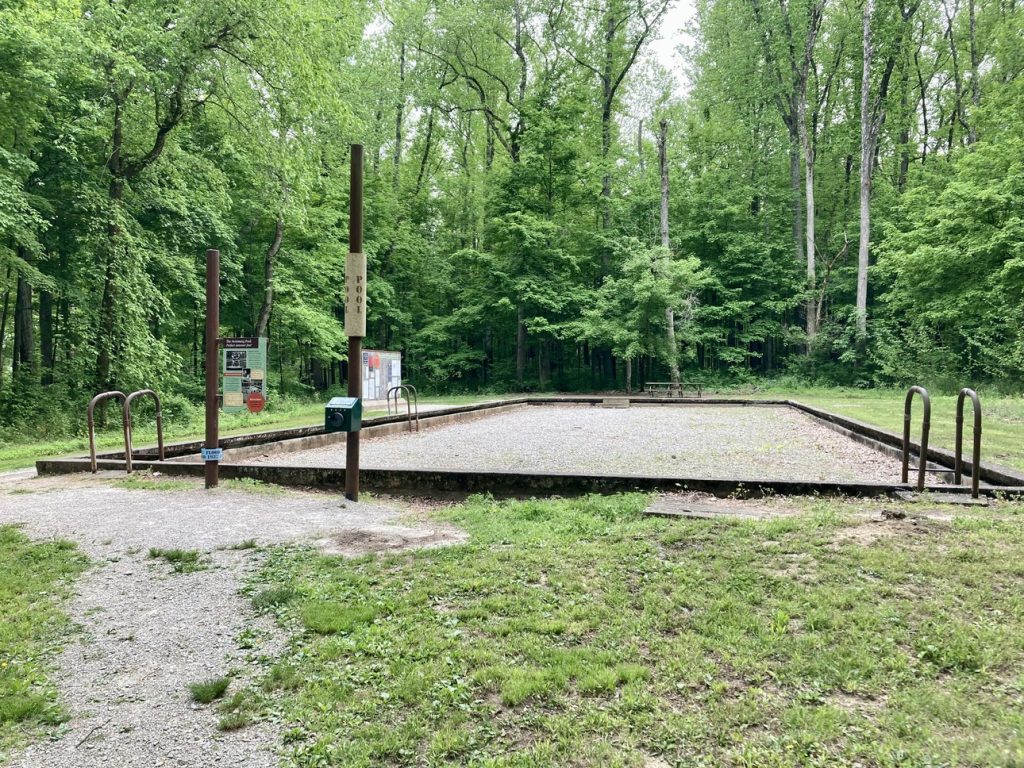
[{"x": 256, "y": 402}]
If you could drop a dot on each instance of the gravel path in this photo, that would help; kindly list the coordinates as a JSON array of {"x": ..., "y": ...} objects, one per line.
[
  {"x": 700, "y": 441},
  {"x": 146, "y": 632}
]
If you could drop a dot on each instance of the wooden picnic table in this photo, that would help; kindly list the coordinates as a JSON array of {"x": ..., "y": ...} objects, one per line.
[{"x": 668, "y": 389}]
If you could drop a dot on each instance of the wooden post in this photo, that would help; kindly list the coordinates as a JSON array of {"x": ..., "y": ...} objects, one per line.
[
  {"x": 355, "y": 312},
  {"x": 212, "y": 362}
]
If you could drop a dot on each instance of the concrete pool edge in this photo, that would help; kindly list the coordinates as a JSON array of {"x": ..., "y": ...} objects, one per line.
[
  {"x": 428, "y": 481},
  {"x": 445, "y": 483}
]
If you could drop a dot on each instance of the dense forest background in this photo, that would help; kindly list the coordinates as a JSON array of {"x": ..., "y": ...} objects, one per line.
[{"x": 836, "y": 192}]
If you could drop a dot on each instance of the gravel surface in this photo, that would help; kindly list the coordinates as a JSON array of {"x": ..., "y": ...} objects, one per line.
[
  {"x": 748, "y": 443},
  {"x": 146, "y": 632}
]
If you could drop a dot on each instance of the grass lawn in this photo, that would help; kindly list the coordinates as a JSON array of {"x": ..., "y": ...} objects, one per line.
[
  {"x": 20, "y": 454},
  {"x": 34, "y": 577},
  {"x": 579, "y": 633},
  {"x": 1002, "y": 435}
]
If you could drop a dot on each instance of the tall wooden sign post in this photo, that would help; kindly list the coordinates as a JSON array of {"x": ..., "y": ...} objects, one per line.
[
  {"x": 211, "y": 453},
  {"x": 355, "y": 312}
]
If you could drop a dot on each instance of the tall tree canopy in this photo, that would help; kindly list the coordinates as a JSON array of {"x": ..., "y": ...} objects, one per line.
[{"x": 846, "y": 185}]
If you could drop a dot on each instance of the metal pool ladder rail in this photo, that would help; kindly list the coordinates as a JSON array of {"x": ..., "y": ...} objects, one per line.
[
  {"x": 976, "y": 456},
  {"x": 128, "y": 426},
  {"x": 412, "y": 404},
  {"x": 922, "y": 462},
  {"x": 92, "y": 428}
]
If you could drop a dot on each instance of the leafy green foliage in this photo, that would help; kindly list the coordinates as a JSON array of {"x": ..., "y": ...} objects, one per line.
[{"x": 512, "y": 198}]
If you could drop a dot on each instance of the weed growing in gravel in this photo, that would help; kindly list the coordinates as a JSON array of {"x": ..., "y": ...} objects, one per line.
[
  {"x": 234, "y": 721},
  {"x": 181, "y": 560},
  {"x": 209, "y": 690},
  {"x": 242, "y": 545},
  {"x": 236, "y": 712},
  {"x": 34, "y": 578},
  {"x": 580, "y": 632}
]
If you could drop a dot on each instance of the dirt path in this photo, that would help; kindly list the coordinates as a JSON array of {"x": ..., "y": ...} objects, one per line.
[{"x": 147, "y": 632}]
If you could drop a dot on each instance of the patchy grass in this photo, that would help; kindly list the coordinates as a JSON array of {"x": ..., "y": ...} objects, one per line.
[
  {"x": 237, "y": 712},
  {"x": 181, "y": 560},
  {"x": 578, "y": 632},
  {"x": 243, "y": 545},
  {"x": 207, "y": 691},
  {"x": 34, "y": 577},
  {"x": 251, "y": 485},
  {"x": 273, "y": 597},
  {"x": 146, "y": 482}
]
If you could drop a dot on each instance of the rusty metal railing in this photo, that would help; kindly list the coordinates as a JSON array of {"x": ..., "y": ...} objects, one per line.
[
  {"x": 976, "y": 456},
  {"x": 92, "y": 427},
  {"x": 128, "y": 426},
  {"x": 412, "y": 404},
  {"x": 922, "y": 463}
]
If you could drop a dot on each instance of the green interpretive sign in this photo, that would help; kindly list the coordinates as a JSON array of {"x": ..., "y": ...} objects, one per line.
[{"x": 244, "y": 374}]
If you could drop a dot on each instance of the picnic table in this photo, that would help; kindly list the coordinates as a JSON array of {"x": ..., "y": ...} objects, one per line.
[{"x": 668, "y": 389}]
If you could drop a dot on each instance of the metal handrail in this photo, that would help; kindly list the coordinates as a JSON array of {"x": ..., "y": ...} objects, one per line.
[
  {"x": 925, "y": 426},
  {"x": 976, "y": 457},
  {"x": 92, "y": 429},
  {"x": 412, "y": 404},
  {"x": 128, "y": 423}
]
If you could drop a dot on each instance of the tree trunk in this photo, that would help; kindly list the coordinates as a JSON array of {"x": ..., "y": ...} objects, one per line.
[
  {"x": 24, "y": 337},
  {"x": 317, "y": 371},
  {"x": 399, "y": 114},
  {"x": 640, "y": 146},
  {"x": 972, "y": 133},
  {"x": 3, "y": 325},
  {"x": 268, "y": 275},
  {"x": 46, "y": 337},
  {"x": 866, "y": 158},
  {"x": 629, "y": 375},
  {"x": 426, "y": 151},
  {"x": 796, "y": 194},
  {"x": 670, "y": 318},
  {"x": 807, "y": 143},
  {"x": 542, "y": 363},
  {"x": 607, "y": 96},
  {"x": 520, "y": 348}
]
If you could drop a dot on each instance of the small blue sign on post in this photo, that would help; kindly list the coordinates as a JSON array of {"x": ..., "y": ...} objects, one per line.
[{"x": 212, "y": 454}]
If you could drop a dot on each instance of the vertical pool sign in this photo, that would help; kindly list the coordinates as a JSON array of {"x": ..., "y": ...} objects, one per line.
[
  {"x": 355, "y": 295},
  {"x": 244, "y": 369}
]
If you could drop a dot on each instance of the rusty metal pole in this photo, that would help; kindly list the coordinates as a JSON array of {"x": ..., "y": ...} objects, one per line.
[
  {"x": 212, "y": 366},
  {"x": 959, "y": 441},
  {"x": 922, "y": 464},
  {"x": 356, "y": 333}
]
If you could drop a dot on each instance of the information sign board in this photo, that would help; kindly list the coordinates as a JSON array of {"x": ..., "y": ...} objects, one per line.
[{"x": 244, "y": 374}]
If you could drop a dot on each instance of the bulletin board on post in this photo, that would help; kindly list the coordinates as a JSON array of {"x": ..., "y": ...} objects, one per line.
[{"x": 244, "y": 374}]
